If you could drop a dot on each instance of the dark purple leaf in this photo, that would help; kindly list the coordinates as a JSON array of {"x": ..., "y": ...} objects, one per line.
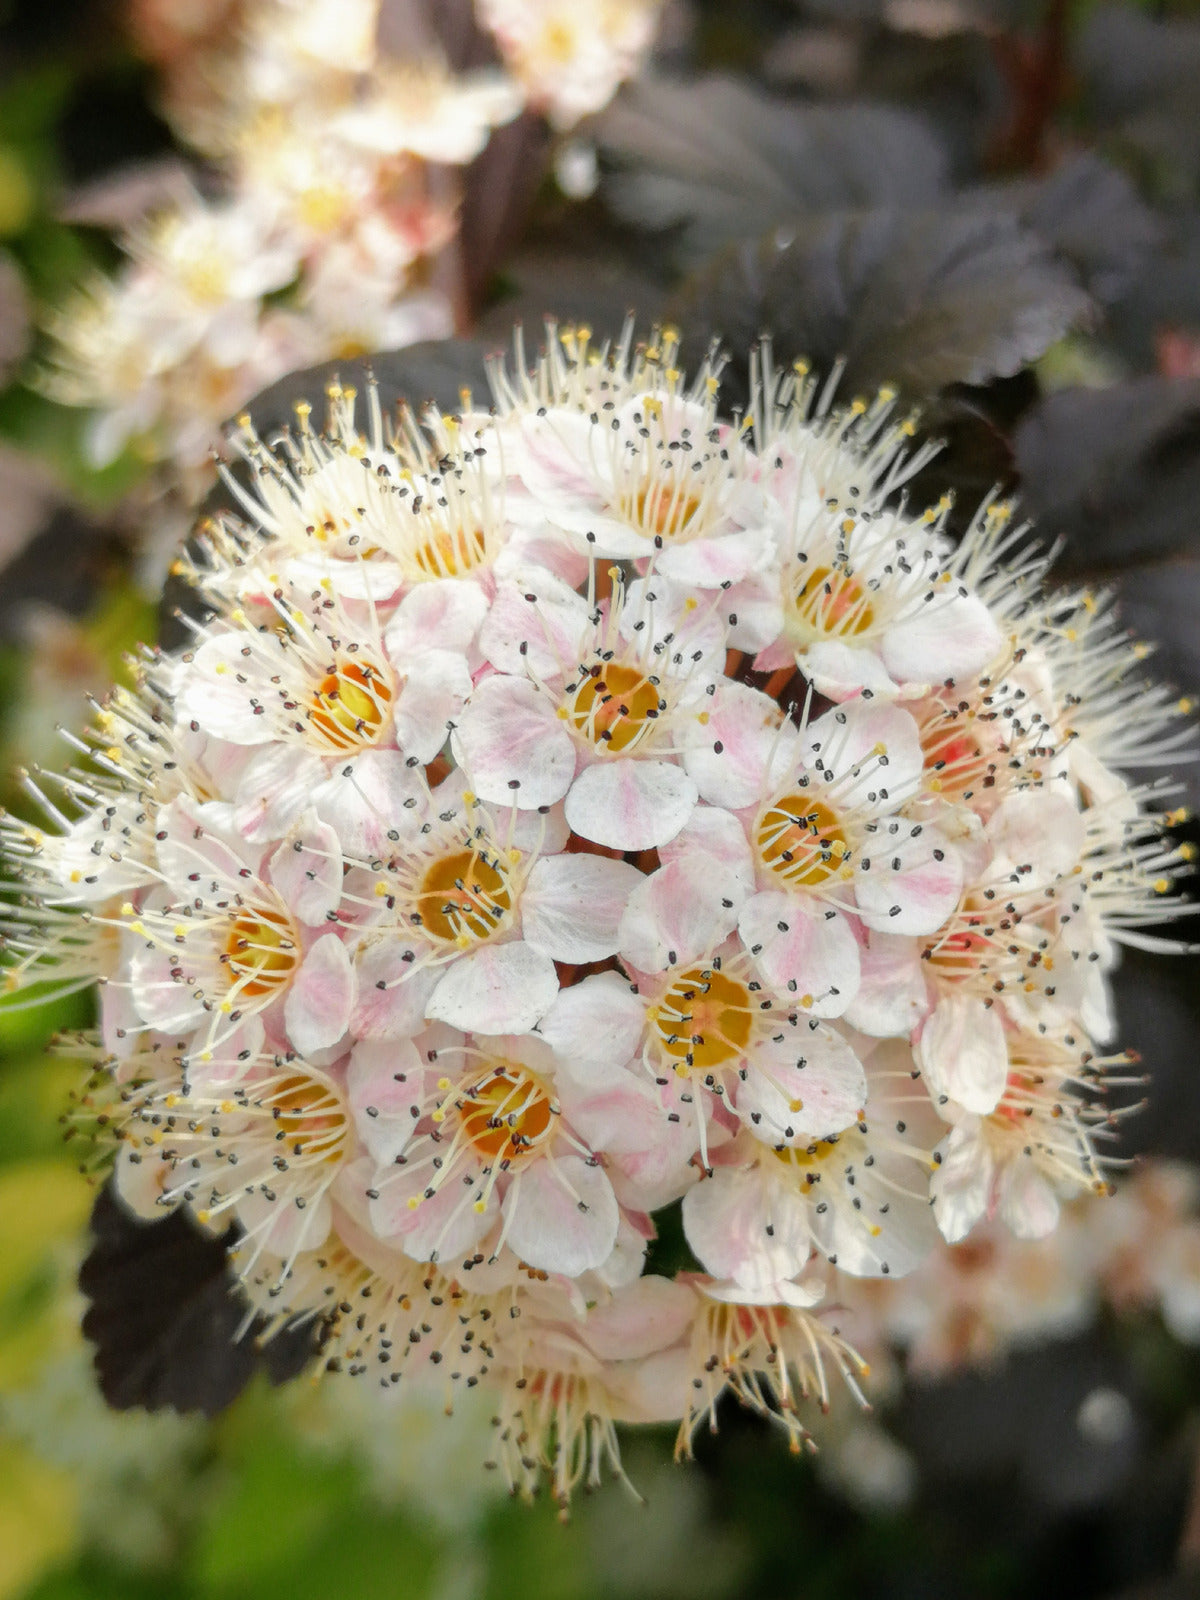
[
  {"x": 721, "y": 161},
  {"x": 1115, "y": 472},
  {"x": 165, "y": 1315},
  {"x": 915, "y": 299}
]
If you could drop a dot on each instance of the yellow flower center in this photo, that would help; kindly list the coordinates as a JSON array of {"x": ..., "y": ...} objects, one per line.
[
  {"x": 310, "y": 1121},
  {"x": 802, "y": 841},
  {"x": 704, "y": 1020},
  {"x": 262, "y": 951},
  {"x": 662, "y": 510},
  {"x": 465, "y": 897},
  {"x": 830, "y": 604},
  {"x": 350, "y": 705},
  {"x": 506, "y": 1114},
  {"x": 449, "y": 553},
  {"x": 614, "y": 707}
]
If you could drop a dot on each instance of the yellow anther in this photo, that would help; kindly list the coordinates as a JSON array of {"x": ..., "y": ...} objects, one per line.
[
  {"x": 382, "y": 888},
  {"x": 807, "y": 1001},
  {"x": 469, "y": 797},
  {"x": 481, "y": 1206},
  {"x": 414, "y": 1201}
]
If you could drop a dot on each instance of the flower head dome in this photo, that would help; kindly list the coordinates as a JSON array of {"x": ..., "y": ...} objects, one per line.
[{"x": 591, "y": 806}]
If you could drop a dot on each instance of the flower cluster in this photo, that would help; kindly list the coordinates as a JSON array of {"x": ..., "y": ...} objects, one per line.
[
  {"x": 586, "y": 807},
  {"x": 318, "y": 247},
  {"x": 334, "y": 229}
]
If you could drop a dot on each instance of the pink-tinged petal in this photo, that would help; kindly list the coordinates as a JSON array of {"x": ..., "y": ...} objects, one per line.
[
  {"x": 572, "y": 905},
  {"x": 594, "y": 1027},
  {"x": 907, "y": 878},
  {"x": 842, "y": 671},
  {"x": 436, "y": 688},
  {"x": 774, "y": 655},
  {"x": 679, "y": 913},
  {"x": 385, "y": 1083},
  {"x": 444, "y": 614},
  {"x": 1039, "y": 831},
  {"x": 963, "y": 1054},
  {"x": 392, "y": 992},
  {"x": 275, "y": 788},
  {"x": 954, "y": 636},
  {"x": 321, "y": 997},
  {"x": 649, "y": 1314},
  {"x": 961, "y": 1184},
  {"x": 872, "y": 751},
  {"x": 215, "y": 1069},
  {"x": 225, "y": 677},
  {"x": 161, "y": 1001},
  {"x": 647, "y": 1137},
  {"x": 535, "y": 627},
  {"x": 307, "y": 871},
  {"x": 753, "y": 614},
  {"x": 139, "y": 1179},
  {"x": 804, "y": 950},
  {"x": 281, "y": 1226},
  {"x": 803, "y": 1087},
  {"x": 807, "y": 1291},
  {"x": 741, "y": 751},
  {"x": 503, "y": 988},
  {"x": 630, "y": 805},
  {"x": 441, "y": 1226},
  {"x": 892, "y": 998},
  {"x": 717, "y": 836},
  {"x": 559, "y": 456},
  {"x": 1028, "y": 1206},
  {"x": 658, "y": 1389},
  {"x": 194, "y": 847},
  {"x": 372, "y": 801},
  {"x": 711, "y": 563},
  {"x": 562, "y": 1216},
  {"x": 895, "y": 1243},
  {"x": 740, "y": 1228},
  {"x": 511, "y": 746}
]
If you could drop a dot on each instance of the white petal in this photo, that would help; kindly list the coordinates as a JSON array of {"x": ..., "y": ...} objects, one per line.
[
  {"x": 630, "y": 805},
  {"x": 741, "y": 1229},
  {"x": 892, "y": 999},
  {"x": 805, "y": 950},
  {"x": 392, "y": 992},
  {"x": 718, "y": 836},
  {"x": 321, "y": 996},
  {"x": 385, "y": 1087},
  {"x": 741, "y": 750},
  {"x": 807, "y": 1086},
  {"x": 679, "y": 913},
  {"x": 307, "y": 870},
  {"x": 562, "y": 1217},
  {"x": 225, "y": 676},
  {"x": 371, "y": 800},
  {"x": 1037, "y": 829},
  {"x": 961, "y": 1185},
  {"x": 873, "y": 752},
  {"x": 572, "y": 905},
  {"x": 435, "y": 690},
  {"x": 840, "y": 671},
  {"x": 445, "y": 613},
  {"x": 1028, "y": 1203},
  {"x": 953, "y": 637},
  {"x": 594, "y": 1027},
  {"x": 276, "y": 786},
  {"x": 963, "y": 1055},
  {"x": 908, "y": 879},
  {"x": 511, "y": 746},
  {"x": 503, "y": 988},
  {"x": 536, "y": 626},
  {"x": 649, "y": 1314},
  {"x": 442, "y": 1227}
]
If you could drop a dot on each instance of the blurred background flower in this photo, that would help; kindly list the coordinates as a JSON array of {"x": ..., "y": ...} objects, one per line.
[{"x": 993, "y": 205}]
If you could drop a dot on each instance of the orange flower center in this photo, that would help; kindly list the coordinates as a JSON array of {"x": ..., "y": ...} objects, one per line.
[
  {"x": 351, "y": 705},
  {"x": 704, "y": 1020},
  {"x": 507, "y": 1114},
  {"x": 614, "y": 707},
  {"x": 802, "y": 841},
  {"x": 829, "y": 603},
  {"x": 261, "y": 951},
  {"x": 465, "y": 897}
]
